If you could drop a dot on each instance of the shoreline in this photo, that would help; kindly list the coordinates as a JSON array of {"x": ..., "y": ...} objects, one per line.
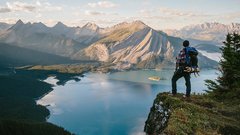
[{"x": 87, "y": 73}]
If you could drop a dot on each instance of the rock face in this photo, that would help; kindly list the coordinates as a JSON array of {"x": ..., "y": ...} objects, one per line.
[
  {"x": 136, "y": 45},
  {"x": 130, "y": 44},
  {"x": 157, "y": 118}
]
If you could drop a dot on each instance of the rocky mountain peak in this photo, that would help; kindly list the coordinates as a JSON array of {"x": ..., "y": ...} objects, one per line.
[
  {"x": 91, "y": 26},
  {"x": 205, "y": 26},
  {"x": 132, "y": 26},
  {"x": 18, "y": 24},
  {"x": 210, "y": 31},
  {"x": 59, "y": 25},
  {"x": 39, "y": 24},
  {"x": 235, "y": 27},
  {"x": 139, "y": 22}
]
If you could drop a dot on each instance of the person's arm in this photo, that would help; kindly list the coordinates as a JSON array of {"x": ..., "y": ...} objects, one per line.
[
  {"x": 177, "y": 65},
  {"x": 177, "y": 62}
]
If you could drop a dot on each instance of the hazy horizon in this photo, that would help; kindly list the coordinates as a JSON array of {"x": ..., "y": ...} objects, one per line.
[{"x": 158, "y": 14}]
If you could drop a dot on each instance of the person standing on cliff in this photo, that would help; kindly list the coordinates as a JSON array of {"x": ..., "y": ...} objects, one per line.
[{"x": 186, "y": 59}]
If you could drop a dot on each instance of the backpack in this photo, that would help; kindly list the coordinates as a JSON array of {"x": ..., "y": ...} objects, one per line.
[
  {"x": 191, "y": 57},
  {"x": 188, "y": 59}
]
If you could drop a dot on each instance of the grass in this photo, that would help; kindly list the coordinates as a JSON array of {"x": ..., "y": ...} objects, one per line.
[
  {"x": 199, "y": 115},
  {"x": 118, "y": 35},
  {"x": 71, "y": 69},
  {"x": 65, "y": 70}
]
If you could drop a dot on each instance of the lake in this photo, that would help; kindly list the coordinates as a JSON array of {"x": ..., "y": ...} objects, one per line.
[{"x": 112, "y": 104}]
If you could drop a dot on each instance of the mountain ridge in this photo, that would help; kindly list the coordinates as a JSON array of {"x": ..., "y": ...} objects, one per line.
[
  {"x": 211, "y": 32},
  {"x": 127, "y": 45}
]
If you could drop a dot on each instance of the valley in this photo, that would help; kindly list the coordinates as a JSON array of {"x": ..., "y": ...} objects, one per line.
[{"x": 121, "y": 57}]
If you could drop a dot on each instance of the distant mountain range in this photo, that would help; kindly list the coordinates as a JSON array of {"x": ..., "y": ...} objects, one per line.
[
  {"x": 4, "y": 26},
  {"x": 11, "y": 56},
  {"x": 125, "y": 45},
  {"x": 214, "y": 33}
]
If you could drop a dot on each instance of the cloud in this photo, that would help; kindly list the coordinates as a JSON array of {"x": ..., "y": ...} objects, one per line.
[
  {"x": 180, "y": 13},
  {"x": 4, "y": 10},
  {"x": 49, "y": 7},
  {"x": 17, "y": 6},
  {"x": 169, "y": 14},
  {"x": 164, "y": 17},
  {"x": 231, "y": 16},
  {"x": 38, "y": 15},
  {"x": 102, "y": 4},
  {"x": 93, "y": 13},
  {"x": 146, "y": 12},
  {"x": 8, "y": 20},
  {"x": 20, "y": 6}
]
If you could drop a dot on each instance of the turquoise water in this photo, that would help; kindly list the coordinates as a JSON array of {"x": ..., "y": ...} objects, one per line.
[{"x": 112, "y": 104}]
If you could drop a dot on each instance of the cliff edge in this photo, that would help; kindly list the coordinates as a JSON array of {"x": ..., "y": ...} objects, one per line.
[{"x": 200, "y": 115}]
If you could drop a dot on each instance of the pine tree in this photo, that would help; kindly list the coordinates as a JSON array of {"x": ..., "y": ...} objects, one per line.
[{"x": 227, "y": 85}]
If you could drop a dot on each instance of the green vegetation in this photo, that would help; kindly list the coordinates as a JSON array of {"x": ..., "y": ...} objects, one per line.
[
  {"x": 69, "y": 69},
  {"x": 22, "y": 108},
  {"x": 119, "y": 34},
  {"x": 74, "y": 68},
  {"x": 217, "y": 112},
  {"x": 19, "y": 114},
  {"x": 17, "y": 56},
  {"x": 200, "y": 115},
  {"x": 16, "y": 127},
  {"x": 227, "y": 87},
  {"x": 116, "y": 37}
]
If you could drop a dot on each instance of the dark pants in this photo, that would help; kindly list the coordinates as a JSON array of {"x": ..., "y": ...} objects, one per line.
[{"x": 178, "y": 74}]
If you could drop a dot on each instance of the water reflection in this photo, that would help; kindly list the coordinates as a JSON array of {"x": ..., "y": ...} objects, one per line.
[{"x": 115, "y": 103}]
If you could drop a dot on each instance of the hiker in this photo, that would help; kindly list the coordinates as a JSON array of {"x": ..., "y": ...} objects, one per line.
[{"x": 185, "y": 65}]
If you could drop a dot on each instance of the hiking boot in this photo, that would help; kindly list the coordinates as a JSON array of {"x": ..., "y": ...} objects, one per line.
[
  {"x": 171, "y": 94},
  {"x": 187, "y": 98}
]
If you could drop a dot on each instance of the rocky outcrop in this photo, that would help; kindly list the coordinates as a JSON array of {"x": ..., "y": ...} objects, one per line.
[
  {"x": 198, "y": 115},
  {"x": 157, "y": 118}
]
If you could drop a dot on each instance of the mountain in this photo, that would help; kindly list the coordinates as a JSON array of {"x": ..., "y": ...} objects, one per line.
[
  {"x": 59, "y": 39},
  {"x": 62, "y": 29},
  {"x": 39, "y": 37},
  {"x": 17, "y": 56},
  {"x": 125, "y": 45},
  {"x": 91, "y": 27},
  {"x": 211, "y": 51},
  {"x": 88, "y": 34},
  {"x": 135, "y": 45},
  {"x": 4, "y": 26},
  {"x": 213, "y": 33},
  {"x": 84, "y": 35}
]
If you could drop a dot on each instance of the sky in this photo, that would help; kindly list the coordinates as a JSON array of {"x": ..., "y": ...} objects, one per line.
[{"x": 158, "y": 14}]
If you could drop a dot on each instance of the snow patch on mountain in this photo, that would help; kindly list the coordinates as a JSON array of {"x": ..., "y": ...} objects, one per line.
[{"x": 215, "y": 32}]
